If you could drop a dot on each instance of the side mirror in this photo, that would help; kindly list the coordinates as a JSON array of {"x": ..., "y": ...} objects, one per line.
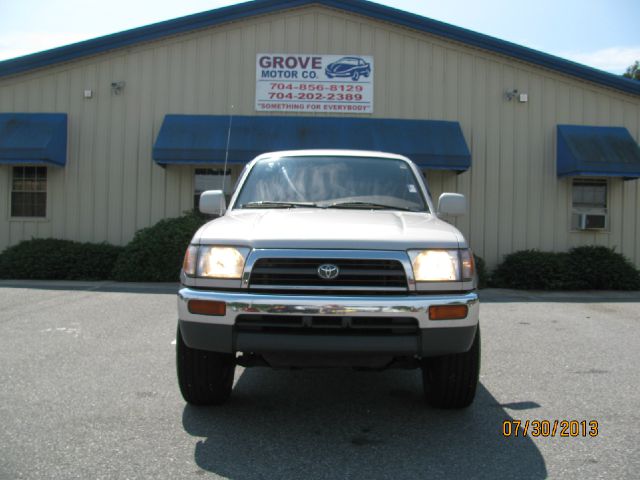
[
  {"x": 213, "y": 202},
  {"x": 454, "y": 204}
]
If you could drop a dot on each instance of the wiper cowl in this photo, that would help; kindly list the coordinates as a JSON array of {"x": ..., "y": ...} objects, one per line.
[
  {"x": 367, "y": 206},
  {"x": 269, "y": 204}
]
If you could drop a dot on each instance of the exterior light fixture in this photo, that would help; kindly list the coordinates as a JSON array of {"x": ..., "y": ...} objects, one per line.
[
  {"x": 117, "y": 87},
  {"x": 510, "y": 94}
]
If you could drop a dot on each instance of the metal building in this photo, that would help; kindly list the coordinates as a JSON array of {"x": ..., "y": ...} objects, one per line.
[{"x": 104, "y": 137}]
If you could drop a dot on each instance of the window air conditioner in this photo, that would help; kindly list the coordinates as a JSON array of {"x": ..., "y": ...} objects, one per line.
[{"x": 593, "y": 221}]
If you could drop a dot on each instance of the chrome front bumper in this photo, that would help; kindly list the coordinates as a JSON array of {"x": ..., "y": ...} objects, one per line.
[
  {"x": 416, "y": 306},
  {"x": 434, "y": 337}
]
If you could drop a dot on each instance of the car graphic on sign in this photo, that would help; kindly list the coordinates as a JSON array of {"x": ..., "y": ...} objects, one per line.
[{"x": 353, "y": 67}]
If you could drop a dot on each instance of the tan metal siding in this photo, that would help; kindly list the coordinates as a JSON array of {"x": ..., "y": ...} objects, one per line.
[
  {"x": 111, "y": 187},
  {"x": 130, "y": 147}
]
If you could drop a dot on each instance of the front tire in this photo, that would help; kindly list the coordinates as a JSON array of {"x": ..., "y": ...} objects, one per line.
[
  {"x": 355, "y": 76},
  {"x": 205, "y": 378},
  {"x": 450, "y": 381}
]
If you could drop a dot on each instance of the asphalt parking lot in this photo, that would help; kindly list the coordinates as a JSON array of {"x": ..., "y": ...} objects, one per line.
[{"x": 89, "y": 391}]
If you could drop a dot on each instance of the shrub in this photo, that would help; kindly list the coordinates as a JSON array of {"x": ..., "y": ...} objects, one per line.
[
  {"x": 155, "y": 253},
  {"x": 531, "y": 270},
  {"x": 600, "y": 268},
  {"x": 481, "y": 269},
  {"x": 51, "y": 259},
  {"x": 582, "y": 268}
]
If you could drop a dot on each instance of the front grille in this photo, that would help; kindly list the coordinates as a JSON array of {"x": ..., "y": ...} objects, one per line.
[
  {"x": 302, "y": 324},
  {"x": 301, "y": 273}
]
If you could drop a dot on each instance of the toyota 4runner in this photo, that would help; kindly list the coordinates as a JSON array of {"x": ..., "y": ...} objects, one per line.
[{"x": 329, "y": 258}]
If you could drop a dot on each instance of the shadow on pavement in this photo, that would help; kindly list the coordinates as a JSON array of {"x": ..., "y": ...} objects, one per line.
[{"x": 347, "y": 424}]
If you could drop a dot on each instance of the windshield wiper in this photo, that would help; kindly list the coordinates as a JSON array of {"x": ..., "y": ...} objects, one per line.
[
  {"x": 367, "y": 206},
  {"x": 268, "y": 204}
]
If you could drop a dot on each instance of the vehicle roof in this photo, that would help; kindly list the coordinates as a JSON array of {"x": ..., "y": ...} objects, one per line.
[{"x": 332, "y": 153}]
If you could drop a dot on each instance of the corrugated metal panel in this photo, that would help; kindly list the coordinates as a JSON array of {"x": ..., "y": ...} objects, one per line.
[{"x": 111, "y": 187}]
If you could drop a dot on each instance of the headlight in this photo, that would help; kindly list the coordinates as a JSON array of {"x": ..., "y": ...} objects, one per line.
[
  {"x": 215, "y": 262},
  {"x": 442, "y": 265},
  {"x": 221, "y": 262}
]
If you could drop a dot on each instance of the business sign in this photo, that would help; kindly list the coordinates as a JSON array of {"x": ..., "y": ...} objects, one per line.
[{"x": 295, "y": 82}]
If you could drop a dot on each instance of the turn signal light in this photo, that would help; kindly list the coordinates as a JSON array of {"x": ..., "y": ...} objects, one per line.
[
  {"x": 448, "y": 312},
  {"x": 207, "y": 307}
]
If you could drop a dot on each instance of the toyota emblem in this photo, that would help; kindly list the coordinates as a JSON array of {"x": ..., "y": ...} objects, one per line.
[{"x": 328, "y": 271}]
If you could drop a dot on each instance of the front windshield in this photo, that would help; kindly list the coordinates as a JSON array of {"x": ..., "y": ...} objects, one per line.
[{"x": 332, "y": 182}]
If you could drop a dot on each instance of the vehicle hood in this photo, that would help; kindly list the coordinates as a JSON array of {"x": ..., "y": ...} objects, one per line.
[{"x": 330, "y": 228}]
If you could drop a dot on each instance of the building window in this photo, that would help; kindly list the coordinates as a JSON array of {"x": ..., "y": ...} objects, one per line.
[
  {"x": 589, "y": 204},
  {"x": 29, "y": 192},
  {"x": 210, "y": 179}
]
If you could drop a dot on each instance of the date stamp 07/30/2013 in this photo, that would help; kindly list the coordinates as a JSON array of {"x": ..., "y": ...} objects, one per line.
[{"x": 550, "y": 428}]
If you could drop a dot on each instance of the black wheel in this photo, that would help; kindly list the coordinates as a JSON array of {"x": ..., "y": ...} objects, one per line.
[
  {"x": 450, "y": 381},
  {"x": 205, "y": 378},
  {"x": 355, "y": 76}
]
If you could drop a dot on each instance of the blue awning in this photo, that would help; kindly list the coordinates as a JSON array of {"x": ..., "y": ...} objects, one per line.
[
  {"x": 33, "y": 138},
  {"x": 597, "y": 152},
  {"x": 196, "y": 139}
]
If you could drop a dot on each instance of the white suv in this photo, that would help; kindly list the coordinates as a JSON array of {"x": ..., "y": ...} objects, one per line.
[{"x": 329, "y": 258}]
